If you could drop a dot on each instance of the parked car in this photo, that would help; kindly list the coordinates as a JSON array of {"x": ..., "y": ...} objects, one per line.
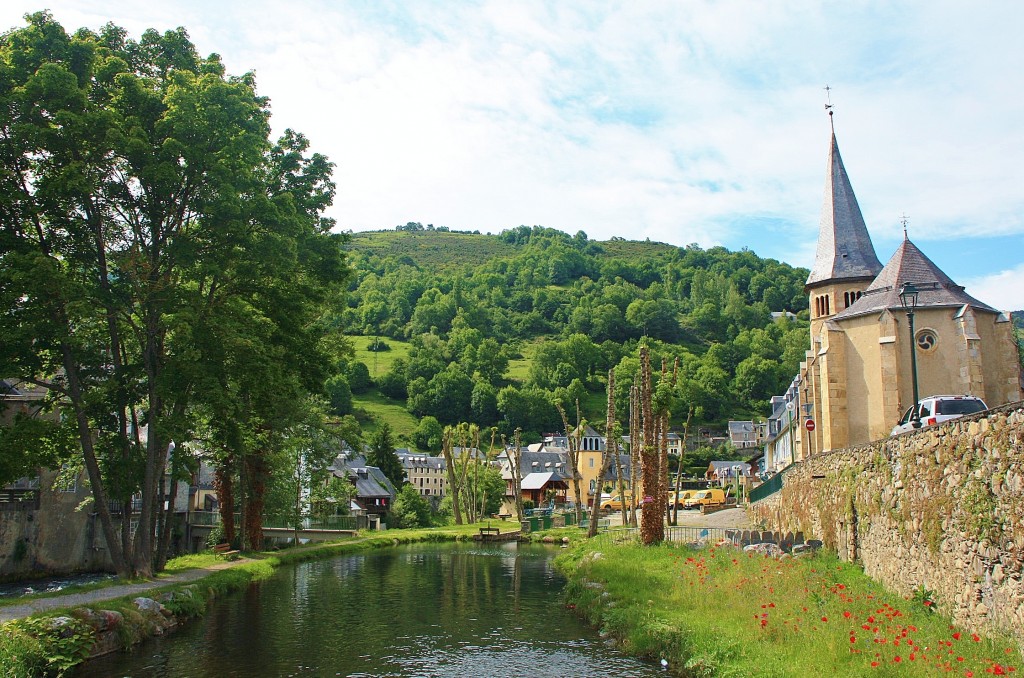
[
  {"x": 712, "y": 497},
  {"x": 613, "y": 503},
  {"x": 938, "y": 409}
]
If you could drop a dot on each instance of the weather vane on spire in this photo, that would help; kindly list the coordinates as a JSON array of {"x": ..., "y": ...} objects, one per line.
[
  {"x": 828, "y": 106},
  {"x": 903, "y": 220}
]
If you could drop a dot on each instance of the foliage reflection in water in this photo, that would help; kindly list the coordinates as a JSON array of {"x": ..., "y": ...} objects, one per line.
[{"x": 421, "y": 610}]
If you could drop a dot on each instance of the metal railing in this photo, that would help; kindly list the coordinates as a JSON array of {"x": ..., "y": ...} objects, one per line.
[
  {"x": 212, "y": 519},
  {"x": 766, "y": 489},
  {"x": 677, "y": 534}
]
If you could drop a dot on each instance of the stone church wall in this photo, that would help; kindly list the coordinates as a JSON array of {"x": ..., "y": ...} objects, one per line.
[{"x": 941, "y": 508}]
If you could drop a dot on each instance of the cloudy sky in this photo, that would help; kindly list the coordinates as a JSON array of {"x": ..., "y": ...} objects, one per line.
[{"x": 682, "y": 122}]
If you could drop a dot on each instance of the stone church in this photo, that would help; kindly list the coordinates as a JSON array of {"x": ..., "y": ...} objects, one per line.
[{"x": 857, "y": 379}]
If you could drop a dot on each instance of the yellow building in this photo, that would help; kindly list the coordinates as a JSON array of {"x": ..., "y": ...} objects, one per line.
[{"x": 857, "y": 378}]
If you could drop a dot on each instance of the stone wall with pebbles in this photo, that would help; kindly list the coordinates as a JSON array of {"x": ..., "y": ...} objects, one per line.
[{"x": 940, "y": 509}]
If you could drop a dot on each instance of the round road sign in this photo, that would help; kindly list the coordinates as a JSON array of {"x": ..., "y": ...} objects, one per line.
[{"x": 809, "y": 424}]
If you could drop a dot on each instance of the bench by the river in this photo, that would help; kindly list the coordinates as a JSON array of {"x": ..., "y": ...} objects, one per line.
[
  {"x": 495, "y": 534},
  {"x": 225, "y": 551}
]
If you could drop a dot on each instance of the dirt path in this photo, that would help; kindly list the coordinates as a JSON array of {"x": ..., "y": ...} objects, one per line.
[{"x": 10, "y": 612}]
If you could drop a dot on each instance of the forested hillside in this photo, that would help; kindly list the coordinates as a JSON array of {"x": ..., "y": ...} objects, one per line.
[{"x": 462, "y": 307}]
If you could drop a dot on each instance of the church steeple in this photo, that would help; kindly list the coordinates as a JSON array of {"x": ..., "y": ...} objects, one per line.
[{"x": 845, "y": 253}]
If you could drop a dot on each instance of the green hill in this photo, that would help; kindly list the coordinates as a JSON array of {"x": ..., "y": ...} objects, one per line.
[{"x": 492, "y": 329}]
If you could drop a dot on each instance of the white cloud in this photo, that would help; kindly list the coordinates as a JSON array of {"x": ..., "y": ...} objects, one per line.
[
  {"x": 682, "y": 122},
  {"x": 1003, "y": 290}
]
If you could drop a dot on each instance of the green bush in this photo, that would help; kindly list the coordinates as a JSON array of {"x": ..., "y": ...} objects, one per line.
[{"x": 44, "y": 646}]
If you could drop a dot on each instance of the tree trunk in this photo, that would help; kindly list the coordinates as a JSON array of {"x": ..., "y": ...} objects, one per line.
[
  {"x": 574, "y": 459},
  {"x": 650, "y": 512},
  {"x": 165, "y": 536},
  {"x": 92, "y": 467},
  {"x": 253, "y": 500},
  {"x": 453, "y": 487},
  {"x": 515, "y": 461},
  {"x": 635, "y": 443},
  {"x": 222, "y": 483}
]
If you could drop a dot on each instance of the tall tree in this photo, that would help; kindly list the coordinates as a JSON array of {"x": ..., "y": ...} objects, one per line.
[
  {"x": 140, "y": 190},
  {"x": 382, "y": 455}
]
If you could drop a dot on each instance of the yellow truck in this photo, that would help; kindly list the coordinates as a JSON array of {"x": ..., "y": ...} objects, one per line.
[
  {"x": 680, "y": 499},
  {"x": 711, "y": 497}
]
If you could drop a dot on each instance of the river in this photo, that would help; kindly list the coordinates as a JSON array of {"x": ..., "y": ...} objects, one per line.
[{"x": 419, "y": 610}]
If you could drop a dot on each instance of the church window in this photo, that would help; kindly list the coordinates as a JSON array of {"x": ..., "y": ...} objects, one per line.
[{"x": 926, "y": 340}]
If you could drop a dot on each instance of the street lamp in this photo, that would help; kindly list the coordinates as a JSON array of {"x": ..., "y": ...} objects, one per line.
[{"x": 908, "y": 297}]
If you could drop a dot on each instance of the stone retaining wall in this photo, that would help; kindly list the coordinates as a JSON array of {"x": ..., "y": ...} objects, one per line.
[{"x": 941, "y": 508}]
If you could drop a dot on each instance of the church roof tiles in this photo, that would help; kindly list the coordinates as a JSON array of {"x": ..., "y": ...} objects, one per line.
[
  {"x": 909, "y": 264},
  {"x": 844, "y": 249}
]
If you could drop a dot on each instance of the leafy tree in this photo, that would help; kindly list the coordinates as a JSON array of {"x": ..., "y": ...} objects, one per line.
[
  {"x": 143, "y": 205},
  {"x": 410, "y": 509},
  {"x": 394, "y": 383},
  {"x": 358, "y": 376},
  {"x": 29, "y": 443},
  {"x": 330, "y": 495},
  {"x": 382, "y": 455},
  {"x": 483, "y": 403},
  {"x": 340, "y": 394},
  {"x": 428, "y": 434}
]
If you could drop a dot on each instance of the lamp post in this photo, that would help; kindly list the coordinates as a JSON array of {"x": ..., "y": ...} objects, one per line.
[
  {"x": 908, "y": 297},
  {"x": 736, "y": 470}
]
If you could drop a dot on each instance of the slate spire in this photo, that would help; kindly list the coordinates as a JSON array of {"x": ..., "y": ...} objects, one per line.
[{"x": 845, "y": 252}]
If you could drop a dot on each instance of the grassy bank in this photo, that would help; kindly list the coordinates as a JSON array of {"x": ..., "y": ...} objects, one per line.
[
  {"x": 51, "y": 643},
  {"x": 723, "y": 612}
]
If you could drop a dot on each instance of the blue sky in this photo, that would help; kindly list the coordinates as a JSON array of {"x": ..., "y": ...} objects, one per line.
[{"x": 680, "y": 122}]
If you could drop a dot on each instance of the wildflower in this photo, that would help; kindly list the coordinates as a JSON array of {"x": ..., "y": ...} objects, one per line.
[
  {"x": 847, "y": 614},
  {"x": 956, "y": 636},
  {"x": 975, "y": 637},
  {"x": 897, "y": 659}
]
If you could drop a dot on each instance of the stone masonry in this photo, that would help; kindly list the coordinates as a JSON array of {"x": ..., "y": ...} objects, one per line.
[{"x": 941, "y": 508}]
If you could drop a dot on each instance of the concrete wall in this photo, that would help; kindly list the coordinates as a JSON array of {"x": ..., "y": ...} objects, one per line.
[
  {"x": 53, "y": 539},
  {"x": 941, "y": 508}
]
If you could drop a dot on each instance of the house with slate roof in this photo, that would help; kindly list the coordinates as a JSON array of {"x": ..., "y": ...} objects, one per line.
[
  {"x": 374, "y": 492},
  {"x": 429, "y": 475},
  {"x": 857, "y": 379}
]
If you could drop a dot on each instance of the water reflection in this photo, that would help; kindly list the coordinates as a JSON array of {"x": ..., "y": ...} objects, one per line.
[{"x": 422, "y": 610}]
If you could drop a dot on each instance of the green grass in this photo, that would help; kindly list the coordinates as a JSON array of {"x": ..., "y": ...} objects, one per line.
[
  {"x": 379, "y": 362},
  {"x": 519, "y": 368},
  {"x": 384, "y": 409},
  {"x": 721, "y": 612},
  {"x": 432, "y": 249}
]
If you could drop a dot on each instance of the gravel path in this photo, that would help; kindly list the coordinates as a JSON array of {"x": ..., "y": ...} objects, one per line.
[
  {"x": 10, "y": 612},
  {"x": 731, "y": 517}
]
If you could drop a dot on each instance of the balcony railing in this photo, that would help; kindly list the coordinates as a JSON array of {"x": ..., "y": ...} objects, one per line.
[{"x": 19, "y": 500}]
